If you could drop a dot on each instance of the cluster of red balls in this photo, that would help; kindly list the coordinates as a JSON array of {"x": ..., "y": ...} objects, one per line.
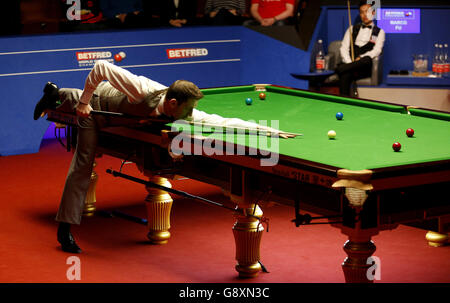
[{"x": 397, "y": 146}]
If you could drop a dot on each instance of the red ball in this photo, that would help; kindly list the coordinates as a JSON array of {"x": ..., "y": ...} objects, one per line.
[
  {"x": 117, "y": 57},
  {"x": 410, "y": 132},
  {"x": 396, "y": 146},
  {"x": 262, "y": 96}
]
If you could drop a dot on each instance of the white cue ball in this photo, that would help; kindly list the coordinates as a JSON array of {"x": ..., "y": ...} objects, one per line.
[
  {"x": 122, "y": 54},
  {"x": 331, "y": 134}
]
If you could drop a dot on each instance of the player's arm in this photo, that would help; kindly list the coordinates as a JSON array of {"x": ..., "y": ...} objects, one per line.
[
  {"x": 345, "y": 48},
  {"x": 135, "y": 87},
  {"x": 378, "y": 48},
  {"x": 213, "y": 119}
]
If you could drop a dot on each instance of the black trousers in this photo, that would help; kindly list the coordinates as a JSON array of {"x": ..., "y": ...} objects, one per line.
[{"x": 350, "y": 72}]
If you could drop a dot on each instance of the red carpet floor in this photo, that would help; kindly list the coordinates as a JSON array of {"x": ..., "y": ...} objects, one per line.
[{"x": 201, "y": 249}]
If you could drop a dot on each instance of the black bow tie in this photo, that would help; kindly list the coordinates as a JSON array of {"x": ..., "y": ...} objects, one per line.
[{"x": 367, "y": 26}]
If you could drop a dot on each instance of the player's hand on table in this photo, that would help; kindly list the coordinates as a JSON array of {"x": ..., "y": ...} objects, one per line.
[
  {"x": 286, "y": 136},
  {"x": 280, "y": 133},
  {"x": 83, "y": 110}
]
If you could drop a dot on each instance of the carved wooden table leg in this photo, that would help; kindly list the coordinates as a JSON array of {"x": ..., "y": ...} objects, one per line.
[
  {"x": 159, "y": 205},
  {"x": 355, "y": 266},
  {"x": 440, "y": 238},
  {"x": 247, "y": 233}
]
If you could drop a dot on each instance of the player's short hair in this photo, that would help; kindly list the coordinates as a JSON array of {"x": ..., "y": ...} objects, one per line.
[
  {"x": 183, "y": 90},
  {"x": 365, "y": 2}
]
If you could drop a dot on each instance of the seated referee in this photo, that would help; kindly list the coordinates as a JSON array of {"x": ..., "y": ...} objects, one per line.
[{"x": 368, "y": 41}]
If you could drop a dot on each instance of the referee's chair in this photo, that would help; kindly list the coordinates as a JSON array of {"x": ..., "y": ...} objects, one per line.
[{"x": 333, "y": 59}]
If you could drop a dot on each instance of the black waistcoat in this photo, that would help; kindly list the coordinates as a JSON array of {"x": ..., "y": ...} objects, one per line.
[{"x": 369, "y": 45}]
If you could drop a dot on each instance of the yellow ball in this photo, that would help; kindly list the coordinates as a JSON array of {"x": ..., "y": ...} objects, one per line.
[{"x": 331, "y": 134}]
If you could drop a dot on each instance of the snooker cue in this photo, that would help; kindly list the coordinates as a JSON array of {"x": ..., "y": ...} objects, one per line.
[
  {"x": 241, "y": 128},
  {"x": 122, "y": 115},
  {"x": 351, "y": 31}
]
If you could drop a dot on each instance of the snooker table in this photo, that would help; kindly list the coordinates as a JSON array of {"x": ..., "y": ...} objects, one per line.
[{"x": 356, "y": 181}]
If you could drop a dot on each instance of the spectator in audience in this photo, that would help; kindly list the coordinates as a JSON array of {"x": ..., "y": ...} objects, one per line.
[
  {"x": 124, "y": 13},
  {"x": 91, "y": 12},
  {"x": 224, "y": 12},
  {"x": 178, "y": 13},
  {"x": 271, "y": 12},
  {"x": 91, "y": 16}
]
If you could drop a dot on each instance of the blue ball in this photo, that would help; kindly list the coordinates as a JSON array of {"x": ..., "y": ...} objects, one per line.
[
  {"x": 339, "y": 116},
  {"x": 248, "y": 101}
]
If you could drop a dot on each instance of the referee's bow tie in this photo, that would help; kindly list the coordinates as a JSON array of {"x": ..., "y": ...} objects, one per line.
[{"x": 367, "y": 26}]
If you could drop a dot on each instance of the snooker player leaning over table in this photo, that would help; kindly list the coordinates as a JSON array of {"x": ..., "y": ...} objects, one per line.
[{"x": 122, "y": 92}]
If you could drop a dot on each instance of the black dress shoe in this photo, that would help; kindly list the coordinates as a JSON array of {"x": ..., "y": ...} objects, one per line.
[
  {"x": 68, "y": 243},
  {"x": 48, "y": 100}
]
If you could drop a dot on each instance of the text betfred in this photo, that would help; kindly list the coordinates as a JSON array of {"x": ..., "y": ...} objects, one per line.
[
  {"x": 92, "y": 55},
  {"x": 186, "y": 53}
]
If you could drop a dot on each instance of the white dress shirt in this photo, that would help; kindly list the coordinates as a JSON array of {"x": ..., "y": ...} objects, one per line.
[
  {"x": 364, "y": 36},
  {"x": 176, "y": 3},
  {"x": 120, "y": 80}
]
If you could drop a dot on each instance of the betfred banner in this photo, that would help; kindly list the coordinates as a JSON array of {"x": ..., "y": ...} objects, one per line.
[{"x": 180, "y": 53}]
